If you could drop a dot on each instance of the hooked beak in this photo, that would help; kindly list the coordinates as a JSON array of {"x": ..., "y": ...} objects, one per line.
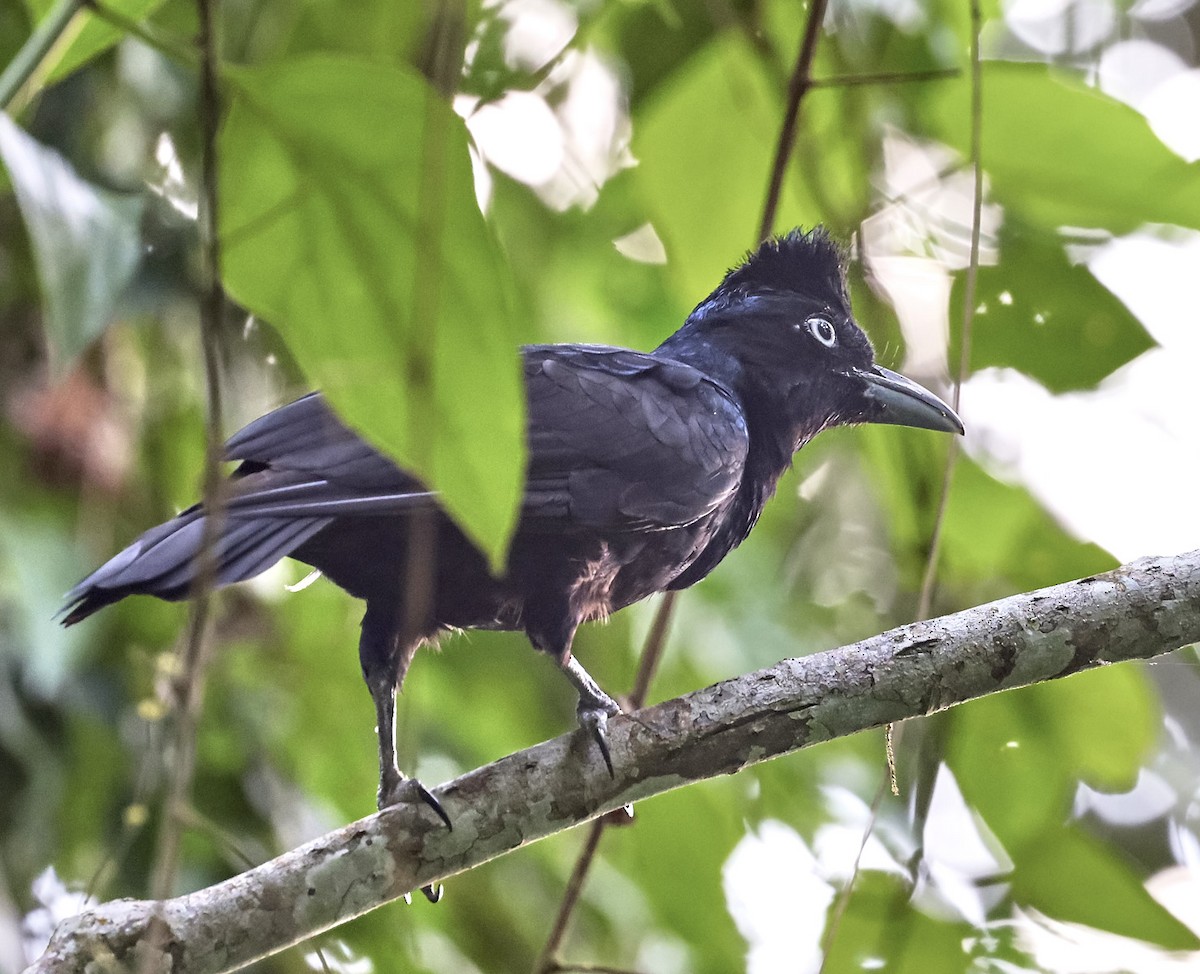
[{"x": 891, "y": 398}]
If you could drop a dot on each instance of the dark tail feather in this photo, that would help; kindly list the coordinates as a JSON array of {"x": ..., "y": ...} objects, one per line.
[{"x": 162, "y": 562}]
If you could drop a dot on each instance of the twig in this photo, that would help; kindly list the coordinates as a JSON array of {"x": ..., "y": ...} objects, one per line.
[
  {"x": 656, "y": 644},
  {"x": 652, "y": 651},
  {"x": 33, "y": 52},
  {"x": 546, "y": 961},
  {"x": 964, "y": 358},
  {"x": 199, "y": 645},
  {"x": 798, "y": 85}
]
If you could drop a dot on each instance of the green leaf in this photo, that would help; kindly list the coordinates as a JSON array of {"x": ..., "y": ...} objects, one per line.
[
  {"x": 1017, "y": 542},
  {"x": 1062, "y": 154},
  {"x": 1047, "y": 317},
  {"x": 1000, "y": 747},
  {"x": 1040, "y": 742},
  {"x": 382, "y": 31},
  {"x": 36, "y": 567},
  {"x": 89, "y": 35},
  {"x": 1106, "y": 723},
  {"x": 86, "y": 240},
  {"x": 881, "y": 929},
  {"x": 349, "y": 221},
  {"x": 707, "y": 213},
  {"x": 1052, "y": 874}
]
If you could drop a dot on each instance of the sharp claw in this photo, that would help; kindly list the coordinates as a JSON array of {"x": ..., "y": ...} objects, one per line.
[
  {"x": 389, "y": 794},
  {"x": 429, "y": 799},
  {"x": 595, "y": 721},
  {"x": 434, "y": 893}
]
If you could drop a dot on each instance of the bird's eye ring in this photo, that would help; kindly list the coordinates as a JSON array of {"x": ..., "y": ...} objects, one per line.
[{"x": 822, "y": 330}]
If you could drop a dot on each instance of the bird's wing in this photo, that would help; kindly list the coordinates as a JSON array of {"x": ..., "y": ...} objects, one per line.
[
  {"x": 301, "y": 460},
  {"x": 624, "y": 440},
  {"x": 617, "y": 439}
]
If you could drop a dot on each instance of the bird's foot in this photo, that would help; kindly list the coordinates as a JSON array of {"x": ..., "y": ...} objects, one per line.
[
  {"x": 593, "y": 713},
  {"x": 391, "y": 792}
]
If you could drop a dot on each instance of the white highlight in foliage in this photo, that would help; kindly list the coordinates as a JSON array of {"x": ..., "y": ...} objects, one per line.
[
  {"x": 538, "y": 31},
  {"x": 777, "y": 900},
  {"x": 56, "y": 902},
  {"x": 961, "y": 856},
  {"x": 519, "y": 135},
  {"x": 171, "y": 183},
  {"x": 1150, "y": 798},
  {"x": 1061, "y": 26},
  {"x": 1117, "y": 465},
  {"x": 643, "y": 245},
  {"x": 1171, "y": 110}
]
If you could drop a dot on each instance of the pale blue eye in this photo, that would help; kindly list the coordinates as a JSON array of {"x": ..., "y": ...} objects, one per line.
[{"x": 822, "y": 330}]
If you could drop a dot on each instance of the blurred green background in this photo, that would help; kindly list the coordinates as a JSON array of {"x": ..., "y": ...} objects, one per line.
[{"x": 619, "y": 154}]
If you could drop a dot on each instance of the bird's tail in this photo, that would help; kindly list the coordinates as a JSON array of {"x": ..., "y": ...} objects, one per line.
[{"x": 164, "y": 561}]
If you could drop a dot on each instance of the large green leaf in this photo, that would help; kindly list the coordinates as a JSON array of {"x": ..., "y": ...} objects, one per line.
[
  {"x": 1040, "y": 742},
  {"x": 703, "y": 182},
  {"x": 1063, "y": 154},
  {"x": 881, "y": 929},
  {"x": 1017, "y": 541},
  {"x": 86, "y": 240},
  {"x": 1049, "y": 318},
  {"x": 1069, "y": 875},
  {"x": 349, "y": 221}
]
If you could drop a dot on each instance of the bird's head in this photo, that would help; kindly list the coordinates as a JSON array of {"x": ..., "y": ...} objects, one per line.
[{"x": 780, "y": 331}]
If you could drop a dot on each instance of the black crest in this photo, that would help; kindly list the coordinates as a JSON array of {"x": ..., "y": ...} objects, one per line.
[{"x": 807, "y": 263}]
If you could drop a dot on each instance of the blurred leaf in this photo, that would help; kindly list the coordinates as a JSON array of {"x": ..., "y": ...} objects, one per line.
[
  {"x": 1017, "y": 547},
  {"x": 384, "y": 31},
  {"x": 37, "y": 569},
  {"x": 1080, "y": 158},
  {"x": 882, "y": 930},
  {"x": 15, "y": 27},
  {"x": 1039, "y": 742},
  {"x": 86, "y": 240},
  {"x": 704, "y": 182},
  {"x": 1004, "y": 752},
  {"x": 1018, "y": 541},
  {"x": 89, "y": 34},
  {"x": 349, "y": 222},
  {"x": 655, "y": 40},
  {"x": 1070, "y": 876},
  {"x": 685, "y": 884},
  {"x": 1047, "y": 317}
]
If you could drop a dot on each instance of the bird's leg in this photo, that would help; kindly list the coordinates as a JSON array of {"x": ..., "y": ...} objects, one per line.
[
  {"x": 594, "y": 708},
  {"x": 391, "y": 778},
  {"x": 384, "y": 668}
]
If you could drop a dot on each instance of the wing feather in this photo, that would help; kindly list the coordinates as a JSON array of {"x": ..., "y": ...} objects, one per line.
[{"x": 627, "y": 441}]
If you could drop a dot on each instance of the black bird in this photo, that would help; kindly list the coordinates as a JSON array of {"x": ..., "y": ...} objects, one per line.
[{"x": 645, "y": 469}]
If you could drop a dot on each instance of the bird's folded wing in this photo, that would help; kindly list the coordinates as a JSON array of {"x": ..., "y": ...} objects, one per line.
[
  {"x": 623, "y": 440},
  {"x": 617, "y": 439},
  {"x": 301, "y": 460}
]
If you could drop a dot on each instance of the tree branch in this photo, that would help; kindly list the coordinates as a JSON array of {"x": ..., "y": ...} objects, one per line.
[{"x": 1140, "y": 610}]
